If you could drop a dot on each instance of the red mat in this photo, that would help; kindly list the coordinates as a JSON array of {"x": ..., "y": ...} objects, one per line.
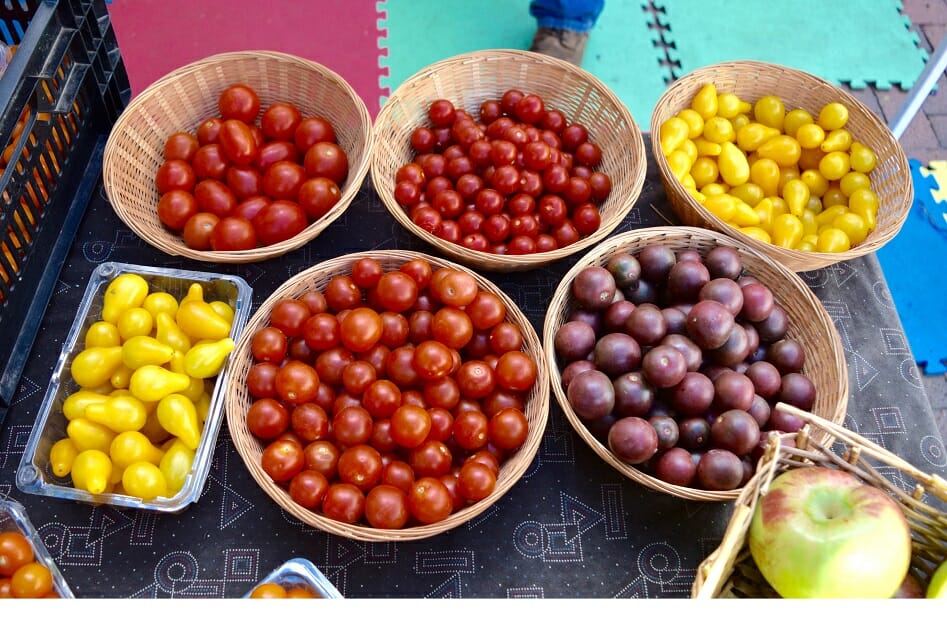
[{"x": 157, "y": 36}]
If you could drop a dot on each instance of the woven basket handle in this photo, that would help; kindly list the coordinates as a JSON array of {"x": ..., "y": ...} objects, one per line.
[
  {"x": 726, "y": 552},
  {"x": 933, "y": 484}
]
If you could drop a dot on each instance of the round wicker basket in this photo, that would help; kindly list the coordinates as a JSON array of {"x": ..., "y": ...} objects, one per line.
[
  {"x": 467, "y": 80},
  {"x": 251, "y": 449},
  {"x": 750, "y": 80},
  {"x": 729, "y": 571},
  {"x": 182, "y": 99},
  {"x": 809, "y": 324}
]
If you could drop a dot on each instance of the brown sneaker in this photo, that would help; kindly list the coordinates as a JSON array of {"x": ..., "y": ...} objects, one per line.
[{"x": 560, "y": 43}]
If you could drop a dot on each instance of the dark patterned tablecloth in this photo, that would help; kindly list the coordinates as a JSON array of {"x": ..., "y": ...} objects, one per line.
[{"x": 571, "y": 527}]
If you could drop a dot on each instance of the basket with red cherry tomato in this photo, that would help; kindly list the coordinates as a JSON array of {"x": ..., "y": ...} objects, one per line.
[
  {"x": 387, "y": 395},
  {"x": 506, "y": 159}
]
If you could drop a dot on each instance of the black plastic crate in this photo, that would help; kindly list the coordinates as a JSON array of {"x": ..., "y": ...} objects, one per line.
[{"x": 65, "y": 86}]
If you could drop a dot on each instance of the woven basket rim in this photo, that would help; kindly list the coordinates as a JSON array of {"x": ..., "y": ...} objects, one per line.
[
  {"x": 509, "y": 262},
  {"x": 538, "y": 399},
  {"x": 624, "y": 240},
  {"x": 794, "y": 259},
  {"x": 111, "y": 167}
]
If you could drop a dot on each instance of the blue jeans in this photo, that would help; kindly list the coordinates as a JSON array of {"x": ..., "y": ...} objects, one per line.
[{"x": 574, "y": 15}]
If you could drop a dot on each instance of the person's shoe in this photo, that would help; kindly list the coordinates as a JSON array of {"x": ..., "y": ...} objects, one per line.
[{"x": 560, "y": 43}]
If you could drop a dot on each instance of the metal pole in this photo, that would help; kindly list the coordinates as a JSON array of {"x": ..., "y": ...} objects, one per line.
[{"x": 916, "y": 97}]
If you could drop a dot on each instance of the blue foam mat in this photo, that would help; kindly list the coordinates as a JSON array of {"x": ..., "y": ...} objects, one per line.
[{"x": 914, "y": 266}]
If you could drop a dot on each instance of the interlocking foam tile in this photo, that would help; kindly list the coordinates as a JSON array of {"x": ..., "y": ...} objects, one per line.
[
  {"x": 621, "y": 50},
  {"x": 913, "y": 263},
  {"x": 842, "y": 41}
]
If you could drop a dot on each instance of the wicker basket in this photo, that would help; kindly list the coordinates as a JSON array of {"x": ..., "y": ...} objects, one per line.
[
  {"x": 182, "y": 99},
  {"x": 729, "y": 571},
  {"x": 251, "y": 449},
  {"x": 809, "y": 324},
  {"x": 467, "y": 80},
  {"x": 750, "y": 80}
]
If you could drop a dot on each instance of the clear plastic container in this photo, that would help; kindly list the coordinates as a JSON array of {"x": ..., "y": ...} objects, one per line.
[
  {"x": 13, "y": 518},
  {"x": 300, "y": 572},
  {"x": 35, "y": 474}
]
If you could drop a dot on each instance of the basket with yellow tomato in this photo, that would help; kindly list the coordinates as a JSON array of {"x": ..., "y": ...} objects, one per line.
[
  {"x": 782, "y": 160},
  {"x": 132, "y": 412}
]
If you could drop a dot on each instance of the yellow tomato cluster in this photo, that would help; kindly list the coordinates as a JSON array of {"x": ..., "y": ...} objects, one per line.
[
  {"x": 144, "y": 378},
  {"x": 780, "y": 176}
]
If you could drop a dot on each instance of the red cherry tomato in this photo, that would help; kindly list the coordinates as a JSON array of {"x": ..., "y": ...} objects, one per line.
[
  {"x": 283, "y": 180},
  {"x": 213, "y": 196},
  {"x": 386, "y": 506},
  {"x": 311, "y": 130},
  {"x": 282, "y": 459},
  {"x": 317, "y": 196},
  {"x": 208, "y": 131},
  {"x": 278, "y": 221},
  {"x": 275, "y": 151},
  {"x": 181, "y": 146},
  {"x": 267, "y": 418},
  {"x": 175, "y": 208},
  {"x": 233, "y": 233},
  {"x": 429, "y": 501},
  {"x": 198, "y": 229},
  {"x": 175, "y": 175},
  {"x": 244, "y": 181},
  {"x": 327, "y": 159},
  {"x": 210, "y": 162},
  {"x": 279, "y": 121},
  {"x": 239, "y": 102},
  {"x": 237, "y": 142}
]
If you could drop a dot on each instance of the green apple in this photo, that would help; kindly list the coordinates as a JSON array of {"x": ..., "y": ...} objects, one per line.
[
  {"x": 937, "y": 588},
  {"x": 821, "y": 533}
]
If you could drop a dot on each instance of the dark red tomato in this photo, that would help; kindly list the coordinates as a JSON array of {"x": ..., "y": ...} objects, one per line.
[
  {"x": 197, "y": 230},
  {"x": 181, "y": 146},
  {"x": 311, "y": 130},
  {"x": 279, "y": 121},
  {"x": 475, "y": 379},
  {"x": 411, "y": 172},
  {"x": 357, "y": 376},
  {"x": 530, "y": 109},
  {"x": 553, "y": 120},
  {"x": 546, "y": 243},
  {"x": 208, "y": 132},
  {"x": 269, "y": 344},
  {"x": 386, "y": 506},
  {"x": 258, "y": 135},
  {"x": 361, "y": 465},
  {"x": 215, "y": 197},
  {"x": 342, "y": 293},
  {"x": 490, "y": 110},
  {"x": 441, "y": 112},
  {"x": 315, "y": 300},
  {"x": 210, "y": 162},
  {"x": 396, "y": 291},
  {"x": 321, "y": 331},
  {"x": 450, "y": 483},
  {"x": 565, "y": 234},
  {"x": 486, "y": 310},
  {"x": 317, "y": 196},
  {"x": 233, "y": 233},
  {"x": 501, "y": 399},
  {"x": 261, "y": 379},
  {"x": 298, "y": 349},
  {"x": 282, "y": 459},
  {"x": 485, "y": 457},
  {"x": 601, "y": 185},
  {"x": 509, "y": 99},
  {"x": 283, "y": 180},
  {"x": 327, "y": 159},
  {"x": 452, "y": 327},
  {"x": 322, "y": 456},
  {"x": 432, "y": 359},
  {"x": 381, "y": 437},
  {"x": 275, "y": 151},
  {"x": 399, "y": 366},
  {"x": 308, "y": 488},
  {"x": 504, "y": 337},
  {"x": 296, "y": 382},
  {"x": 278, "y": 221},
  {"x": 419, "y": 270},
  {"x": 429, "y": 501},
  {"x": 422, "y": 139},
  {"x": 410, "y": 425},
  {"x": 516, "y": 371},
  {"x": 361, "y": 329},
  {"x": 578, "y": 190},
  {"x": 449, "y": 231},
  {"x": 509, "y": 429},
  {"x": 586, "y": 219},
  {"x": 244, "y": 181},
  {"x": 366, "y": 272},
  {"x": 382, "y": 398},
  {"x": 310, "y": 422},
  {"x": 175, "y": 175},
  {"x": 239, "y": 102},
  {"x": 289, "y": 315},
  {"x": 237, "y": 142},
  {"x": 476, "y": 481},
  {"x": 589, "y": 154},
  {"x": 425, "y": 217},
  {"x": 175, "y": 208},
  {"x": 471, "y": 429},
  {"x": 344, "y": 502},
  {"x": 399, "y": 474},
  {"x": 267, "y": 418},
  {"x": 430, "y": 458},
  {"x": 455, "y": 288},
  {"x": 552, "y": 210},
  {"x": 351, "y": 426}
]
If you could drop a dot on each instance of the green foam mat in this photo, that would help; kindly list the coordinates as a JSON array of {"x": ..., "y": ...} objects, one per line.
[
  {"x": 843, "y": 41},
  {"x": 621, "y": 52}
]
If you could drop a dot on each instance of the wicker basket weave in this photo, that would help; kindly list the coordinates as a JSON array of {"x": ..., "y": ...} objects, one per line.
[
  {"x": 750, "y": 80},
  {"x": 729, "y": 571},
  {"x": 809, "y": 324},
  {"x": 181, "y": 100},
  {"x": 251, "y": 449},
  {"x": 467, "y": 80}
]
